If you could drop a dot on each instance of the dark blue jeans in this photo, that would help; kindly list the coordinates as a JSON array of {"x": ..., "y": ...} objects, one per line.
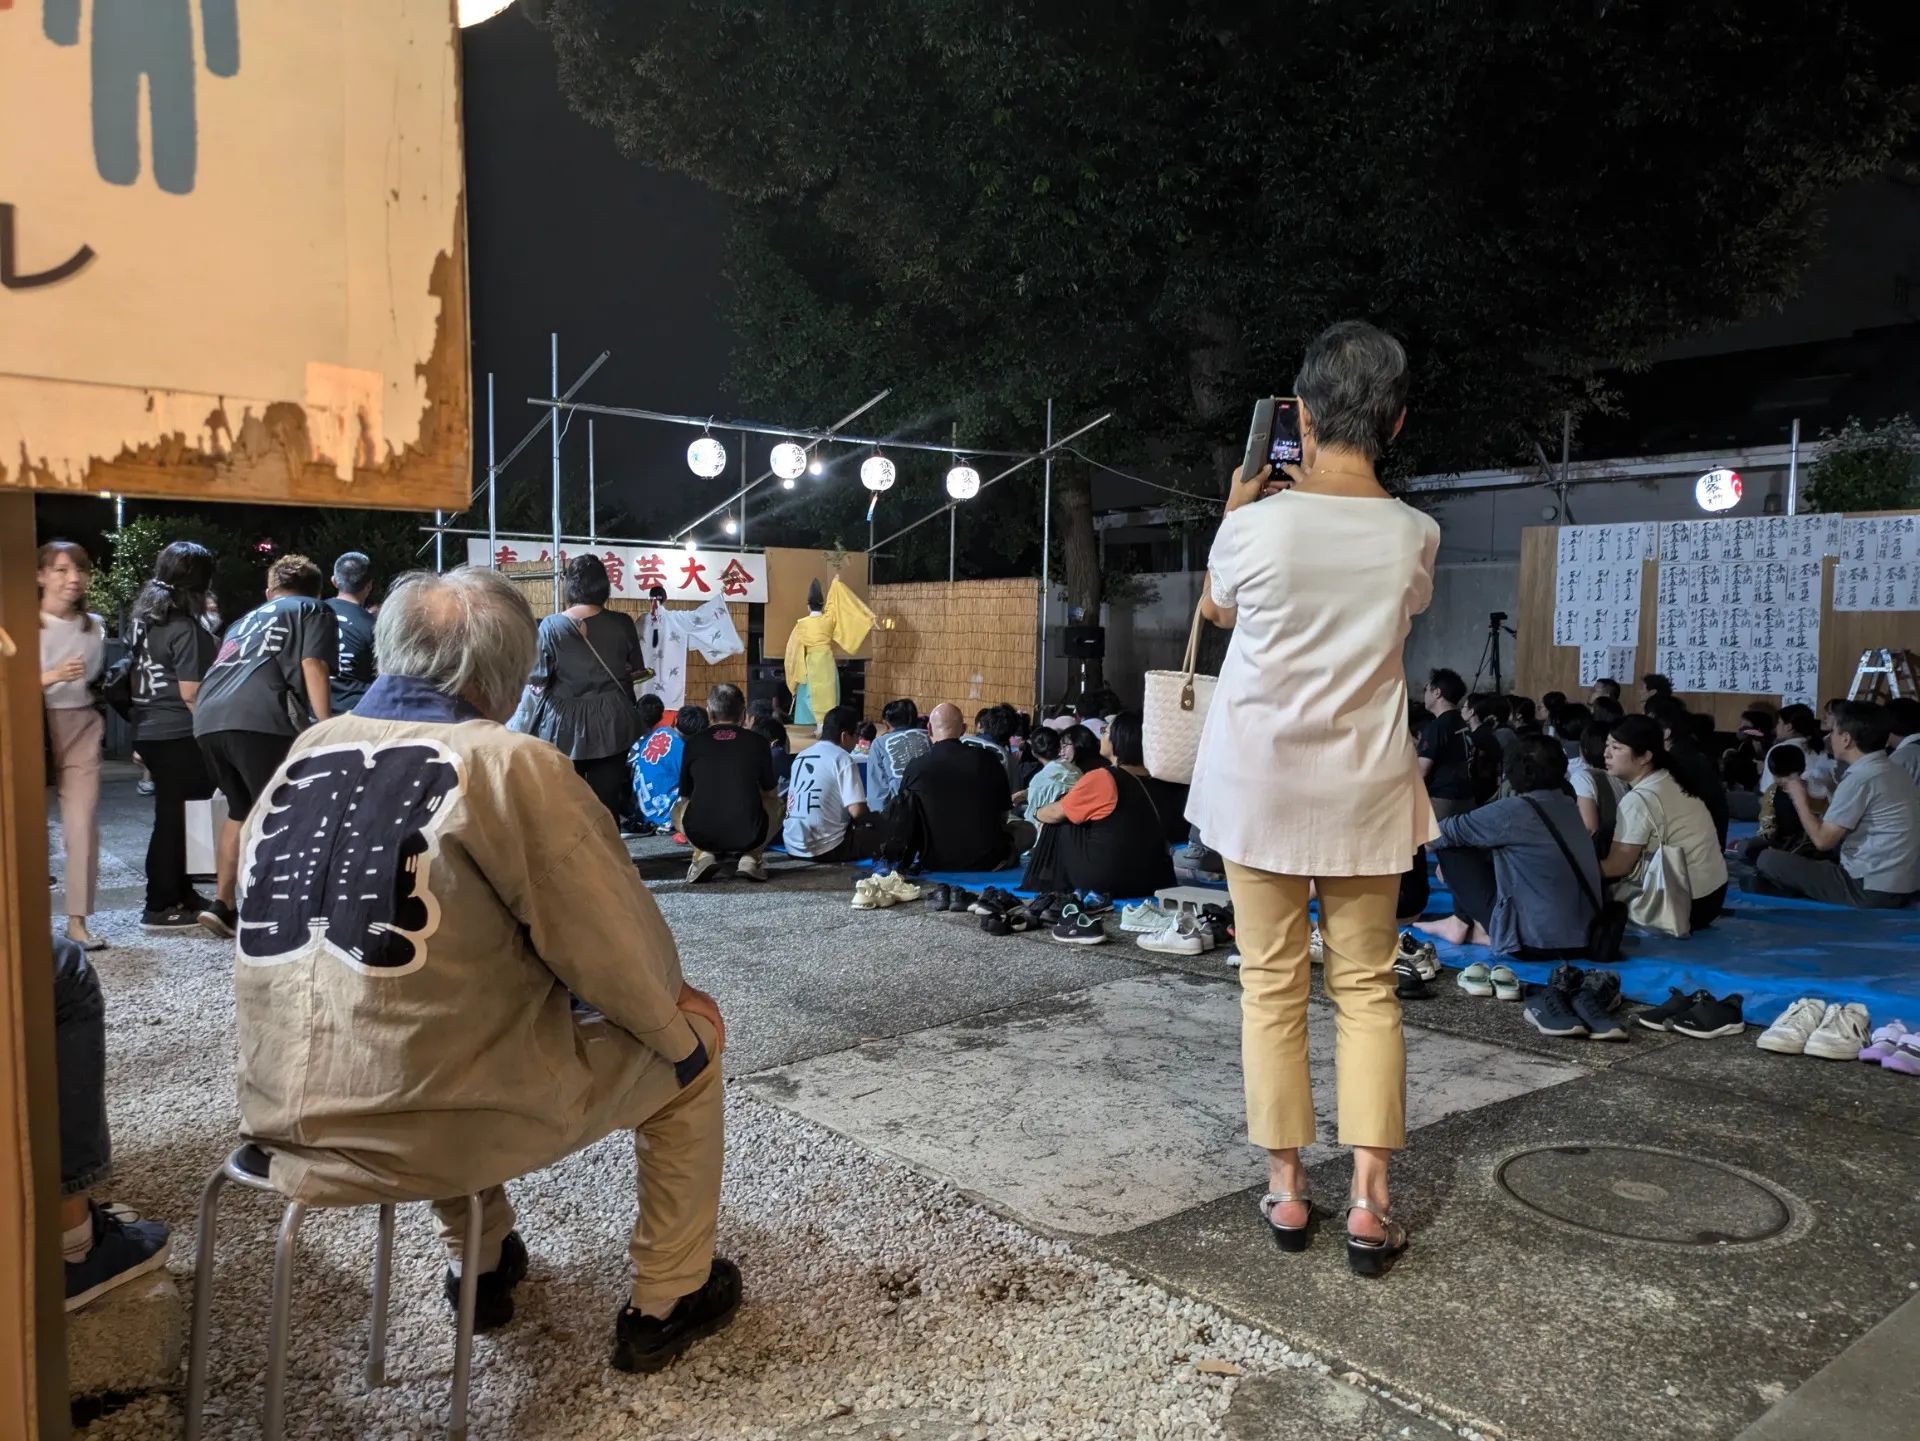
[{"x": 80, "y": 1061}]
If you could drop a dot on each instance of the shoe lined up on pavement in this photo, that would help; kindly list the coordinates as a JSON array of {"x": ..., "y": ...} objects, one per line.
[
  {"x": 1181, "y": 933},
  {"x": 1481, "y": 979},
  {"x": 877, "y": 892},
  {"x": 1422, "y": 956},
  {"x": 1842, "y": 1031},
  {"x": 1575, "y": 1003}
]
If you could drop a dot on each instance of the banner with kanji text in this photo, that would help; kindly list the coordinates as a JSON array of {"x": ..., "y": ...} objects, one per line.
[{"x": 636, "y": 569}]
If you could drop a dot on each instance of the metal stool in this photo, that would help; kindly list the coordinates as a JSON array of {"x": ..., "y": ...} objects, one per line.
[{"x": 247, "y": 1166}]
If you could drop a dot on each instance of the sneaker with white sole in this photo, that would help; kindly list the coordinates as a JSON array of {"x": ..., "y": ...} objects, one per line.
[
  {"x": 1423, "y": 956},
  {"x": 1886, "y": 1040},
  {"x": 1143, "y": 919},
  {"x": 124, "y": 1249},
  {"x": 899, "y": 887},
  {"x": 1476, "y": 979},
  {"x": 870, "y": 895},
  {"x": 703, "y": 866},
  {"x": 750, "y": 868},
  {"x": 1182, "y": 938},
  {"x": 1789, "y": 1033},
  {"x": 1842, "y": 1033}
]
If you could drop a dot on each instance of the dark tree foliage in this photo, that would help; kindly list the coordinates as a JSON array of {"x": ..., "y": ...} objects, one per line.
[{"x": 1150, "y": 206}]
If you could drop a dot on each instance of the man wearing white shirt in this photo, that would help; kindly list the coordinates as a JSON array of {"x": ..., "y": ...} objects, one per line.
[
  {"x": 827, "y": 816},
  {"x": 1873, "y": 821}
]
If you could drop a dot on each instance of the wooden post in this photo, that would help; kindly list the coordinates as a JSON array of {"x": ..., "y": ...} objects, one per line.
[{"x": 33, "y": 1358}]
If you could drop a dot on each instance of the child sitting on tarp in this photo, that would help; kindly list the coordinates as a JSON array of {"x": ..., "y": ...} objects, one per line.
[{"x": 1780, "y": 827}]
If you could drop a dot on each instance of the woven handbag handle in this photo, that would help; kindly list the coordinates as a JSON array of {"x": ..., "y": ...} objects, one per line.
[{"x": 1193, "y": 656}]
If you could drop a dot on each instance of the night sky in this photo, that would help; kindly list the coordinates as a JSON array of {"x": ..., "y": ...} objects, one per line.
[{"x": 565, "y": 235}]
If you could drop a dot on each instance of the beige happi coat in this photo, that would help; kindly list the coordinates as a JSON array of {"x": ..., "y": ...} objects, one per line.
[{"x": 417, "y": 900}]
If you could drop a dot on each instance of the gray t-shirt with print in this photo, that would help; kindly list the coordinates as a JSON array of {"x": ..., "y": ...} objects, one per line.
[{"x": 255, "y": 683}]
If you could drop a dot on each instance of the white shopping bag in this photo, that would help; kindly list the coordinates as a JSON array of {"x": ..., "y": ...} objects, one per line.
[{"x": 204, "y": 819}]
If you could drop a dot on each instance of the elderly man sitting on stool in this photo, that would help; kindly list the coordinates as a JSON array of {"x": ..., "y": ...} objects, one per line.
[{"x": 423, "y": 894}]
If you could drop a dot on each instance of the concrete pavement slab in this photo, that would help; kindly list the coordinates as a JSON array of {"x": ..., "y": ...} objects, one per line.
[
  {"x": 1869, "y": 1392},
  {"x": 1107, "y": 1108},
  {"x": 1539, "y": 1327}
]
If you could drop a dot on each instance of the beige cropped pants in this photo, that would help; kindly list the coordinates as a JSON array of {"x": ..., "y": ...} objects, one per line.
[
  {"x": 1370, "y": 1055},
  {"x": 74, "y": 737}
]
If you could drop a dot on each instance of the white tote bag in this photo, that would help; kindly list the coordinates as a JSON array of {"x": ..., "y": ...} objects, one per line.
[{"x": 1174, "y": 715}]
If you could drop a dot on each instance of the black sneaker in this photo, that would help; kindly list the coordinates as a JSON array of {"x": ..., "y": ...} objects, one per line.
[
  {"x": 1049, "y": 906},
  {"x": 220, "y": 918},
  {"x": 938, "y": 898},
  {"x": 1566, "y": 979},
  {"x": 1549, "y": 1012},
  {"x": 1710, "y": 1018},
  {"x": 493, "y": 1294},
  {"x": 1219, "y": 922},
  {"x": 1080, "y": 928},
  {"x": 961, "y": 899},
  {"x": 124, "y": 1248},
  {"x": 173, "y": 918},
  {"x": 1593, "y": 1003},
  {"x": 1677, "y": 1004},
  {"x": 1409, "y": 984},
  {"x": 641, "y": 1343},
  {"x": 991, "y": 902},
  {"x": 994, "y": 923}
]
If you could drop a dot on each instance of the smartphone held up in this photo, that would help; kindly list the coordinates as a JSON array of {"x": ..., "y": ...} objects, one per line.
[{"x": 1273, "y": 440}]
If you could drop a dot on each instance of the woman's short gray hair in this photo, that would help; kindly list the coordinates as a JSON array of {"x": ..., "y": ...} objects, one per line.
[
  {"x": 469, "y": 627},
  {"x": 1354, "y": 383}
]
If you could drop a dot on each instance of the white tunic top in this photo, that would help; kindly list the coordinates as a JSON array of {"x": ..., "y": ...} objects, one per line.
[{"x": 1306, "y": 764}]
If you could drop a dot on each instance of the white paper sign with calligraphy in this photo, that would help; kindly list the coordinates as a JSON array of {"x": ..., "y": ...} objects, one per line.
[{"x": 633, "y": 570}]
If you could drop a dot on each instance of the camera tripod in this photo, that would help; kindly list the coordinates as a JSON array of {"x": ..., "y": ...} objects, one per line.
[{"x": 1490, "y": 653}]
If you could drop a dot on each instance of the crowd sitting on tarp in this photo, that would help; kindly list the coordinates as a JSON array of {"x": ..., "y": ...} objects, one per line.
[{"x": 1548, "y": 810}]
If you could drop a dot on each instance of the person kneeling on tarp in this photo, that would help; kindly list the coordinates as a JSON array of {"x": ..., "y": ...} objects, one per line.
[
  {"x": 1104, "y": 835},
  {"x": 1873, "y": 820},
  {"x": 422, "y": 894},
  {"x": 1665, "y": 861}
]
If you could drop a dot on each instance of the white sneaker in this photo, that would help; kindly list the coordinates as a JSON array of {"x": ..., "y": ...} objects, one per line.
[
  {"x": 1143, "y": 919},
  {"x": 1788, "y": 1035},
  {"x": 870, "y": 895},
  {"x": 899, "y": 887},
  {"x": 751, "y": 868},
  {"x": 1182, "y": 938},
  {"x": 1423, "y": 956},
  {"x": 1841, "y": 1034},
  {"x": 1317, "y": 947}
]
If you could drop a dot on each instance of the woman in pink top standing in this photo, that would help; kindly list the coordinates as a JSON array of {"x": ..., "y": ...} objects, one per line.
[{"x": 1307, "y": 781}]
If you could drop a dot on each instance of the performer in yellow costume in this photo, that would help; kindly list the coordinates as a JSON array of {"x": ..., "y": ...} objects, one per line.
[{"x": 842, "y": 619}]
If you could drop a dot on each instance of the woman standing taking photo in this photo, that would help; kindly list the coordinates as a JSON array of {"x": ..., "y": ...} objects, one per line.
[
  {"x": 589, "y": 659},
  {"x": 1307, "y": 782},
  {"x": 72, "y": 655},
  {"x": 172, "y": 650}
]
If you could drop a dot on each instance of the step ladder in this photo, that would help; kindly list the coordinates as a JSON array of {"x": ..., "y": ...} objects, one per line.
[{"x": 1894, "y": 668}]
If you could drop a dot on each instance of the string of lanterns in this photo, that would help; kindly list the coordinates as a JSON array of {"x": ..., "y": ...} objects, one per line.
[{"x": 707, "y": 458}]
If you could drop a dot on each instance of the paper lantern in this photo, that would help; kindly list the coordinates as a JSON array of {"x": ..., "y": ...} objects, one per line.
[
  {"x": 1718, "y": 490},
  {"x": 707, "y": 457},
  {"x": 963, "y": 482},
  {"x": 788, "y": 461},
  {"x": 876, "y": 473}
]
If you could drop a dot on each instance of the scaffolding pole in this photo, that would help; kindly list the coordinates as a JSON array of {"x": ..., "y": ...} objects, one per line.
[
  {"x": 493, "y": 491},
  {"x": 553, "y": 371},
  {"x": 593, "y": 509},
  {"x": 1046, "y": 569}
]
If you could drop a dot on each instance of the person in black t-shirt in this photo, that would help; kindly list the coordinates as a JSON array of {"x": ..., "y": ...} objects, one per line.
[
  {"x": 270, "y": 681},
  {"x": 960, "y": 801},
  {"x": 355, "y": 670},
  {"x": 1445, "y": 749},
  {"x": 728, "y": 805},
  {"x": 172, "y": 651}
]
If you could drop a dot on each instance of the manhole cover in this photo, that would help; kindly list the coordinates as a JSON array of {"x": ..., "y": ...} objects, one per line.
[{"x": 1639, "y": 1193}]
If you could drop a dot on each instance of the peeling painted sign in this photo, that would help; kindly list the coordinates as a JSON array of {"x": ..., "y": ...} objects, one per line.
[{"x": 232, "y": 250}]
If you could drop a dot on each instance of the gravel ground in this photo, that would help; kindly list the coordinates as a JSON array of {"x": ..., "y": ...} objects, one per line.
[{"x": 879, "y": 1303}]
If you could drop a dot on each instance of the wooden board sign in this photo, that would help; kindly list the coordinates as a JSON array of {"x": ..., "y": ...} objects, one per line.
[{"x": 232, "y": 251}]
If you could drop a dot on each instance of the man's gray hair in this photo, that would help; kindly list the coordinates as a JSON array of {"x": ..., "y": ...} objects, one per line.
[
  {"x": 1354, "y": 382},
  {"x": 469, "y": 627},
  {"x": 726, "y": 703}
]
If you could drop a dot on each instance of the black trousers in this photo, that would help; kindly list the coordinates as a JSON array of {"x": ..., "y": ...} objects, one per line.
[
  {"x": 179, "y": 775},
  {"x": 868, "y": 837},
  {"x": 80, "y": 1066},
  {"x": 610, "y": 780}
]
